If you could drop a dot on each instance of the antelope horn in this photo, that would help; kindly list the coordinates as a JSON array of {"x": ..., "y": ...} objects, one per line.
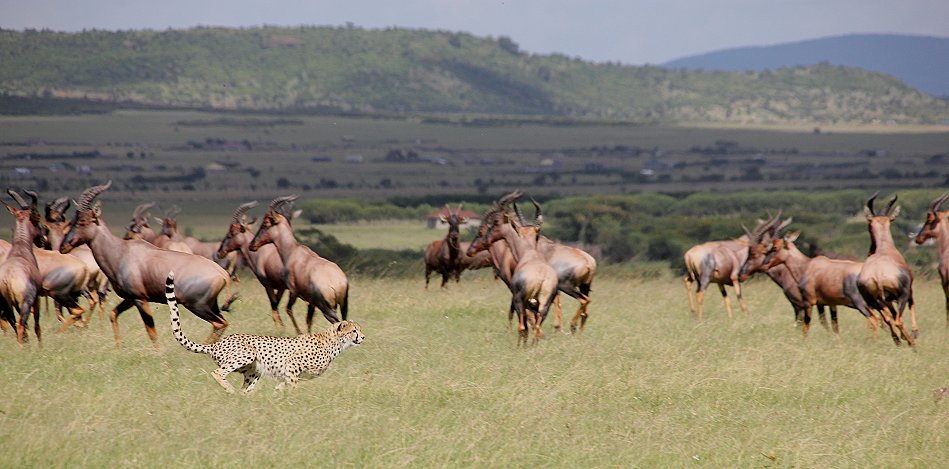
[
  {"x": 538, "y": 217},
  {"x": 282, "y": 200},
  {"x": 85, "y": 199},
  {"x": 239, "y": 213},
  {"x": 520, "y": 216},
  {"x": 458, "y": 210},
  {"x": 889, "y": 206},
  {"x": 503, "y": 201},
  {"x": 19, "y": 199},
  {"x": 936, "y": 203},
  {"x": 748, "y": 233},
  {"x": 870, "y": 202},
  {"x": 173, "y": 211},
  {"x": 141, "y": 209}
]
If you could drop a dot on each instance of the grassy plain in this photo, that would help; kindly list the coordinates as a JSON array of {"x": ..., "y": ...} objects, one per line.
[{"x": 439, "y": 382}]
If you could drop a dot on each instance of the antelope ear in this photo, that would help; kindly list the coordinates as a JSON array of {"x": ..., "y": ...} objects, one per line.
[
  {"x": 792, "y": 237},
  {"x": 97, "y": 209},
  {"x": 443, "y": 218},
  {"x": 867, "y": 212},
  {"x": 895, "y": 212},
  {"x": 10, "y": 208},
  {"x": 296, "y": 214}
]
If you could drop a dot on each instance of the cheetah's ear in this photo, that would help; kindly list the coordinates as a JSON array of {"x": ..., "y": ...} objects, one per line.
[{"x": 339, "y": 326}]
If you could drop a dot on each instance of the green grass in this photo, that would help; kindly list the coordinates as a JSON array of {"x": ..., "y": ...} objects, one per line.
[
  {"x": 440, "y": 382},
  {"x": 388, "y": 234}
]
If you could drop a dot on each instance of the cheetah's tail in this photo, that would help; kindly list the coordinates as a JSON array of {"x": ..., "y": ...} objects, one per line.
[{"x": 175, "y": 320}]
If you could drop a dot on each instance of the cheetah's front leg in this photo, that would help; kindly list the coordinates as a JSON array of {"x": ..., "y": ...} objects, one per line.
[
  {"x": 250, "y": 381},
  {"x": 220, "y": 375}
]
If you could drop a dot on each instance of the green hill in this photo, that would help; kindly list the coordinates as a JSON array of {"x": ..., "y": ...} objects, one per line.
[{"x": 324, "y": 69}]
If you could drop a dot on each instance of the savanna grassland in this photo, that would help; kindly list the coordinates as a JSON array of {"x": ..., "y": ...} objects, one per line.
[{"x": 440, "y": 382}]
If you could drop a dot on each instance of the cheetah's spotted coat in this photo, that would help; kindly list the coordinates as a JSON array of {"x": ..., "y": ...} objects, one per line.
[{"x": 286, "y": 358}]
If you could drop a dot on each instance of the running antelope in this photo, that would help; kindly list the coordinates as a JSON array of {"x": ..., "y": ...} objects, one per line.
[
  {"x": 97, "y": 284},
  {"x": 265, "y": 262},
  {"x": 575, "y": 269},
  {"x": 821, "y": 281},
  {"x": 20, "y": 280},
  {"x": 137, "y": 270},
  {"x": 885, "y": 277},
  {"x": 718, "y": 262},
  {"x": 318, "y": 281},
  {"x": 937, "y": 226},
  {"x": 534, "y": 281}
]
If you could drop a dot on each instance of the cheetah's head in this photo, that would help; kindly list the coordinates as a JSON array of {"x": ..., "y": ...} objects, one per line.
[{"x": 349, "y": 333}]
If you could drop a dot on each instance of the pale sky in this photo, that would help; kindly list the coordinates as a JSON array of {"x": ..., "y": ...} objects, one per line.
[{"x": 632, "y": 31}]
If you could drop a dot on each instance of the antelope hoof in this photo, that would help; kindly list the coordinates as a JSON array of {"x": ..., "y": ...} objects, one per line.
[{"x": 915, "y": 334}]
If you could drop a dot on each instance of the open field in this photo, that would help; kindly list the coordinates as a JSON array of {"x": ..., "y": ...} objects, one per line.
[{"x": 439, "y": 382}]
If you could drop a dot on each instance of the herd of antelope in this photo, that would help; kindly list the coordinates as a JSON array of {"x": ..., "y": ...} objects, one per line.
[
  {"x": 881, "y": 285},
  {"x": 66, "y": 260}
]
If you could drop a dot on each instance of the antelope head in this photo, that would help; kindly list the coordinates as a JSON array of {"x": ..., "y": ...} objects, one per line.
[
  {"x": 490, "y": 218},
  {"x": 779, "y": 252},
  {"x": 169, "y": 224},
  {"x": 86, "y": 220},
  {"x": 237, "y": 227},
  {"x": 879, "y": 224},
  {"x": 933, "y": 218},
  {"x": 760, "y": 244},
  {"x": 28, "y": 215},
  {"x": 277, "y": 214}
]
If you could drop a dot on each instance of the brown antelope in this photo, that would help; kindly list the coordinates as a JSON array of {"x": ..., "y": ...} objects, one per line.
[
  {"x": 318, "y": 281},
  {"x": 575, "y": 270},
  {"x": 137, "y": 270},
  {"x": 937, "y": 226},
  {"x": 718, "y": 262},
  {"x": 885, "y": 277},
  {"x": 534, "y": 281},
  {"x": 20, "y": 279},
  {"x": 444, "y": 255},
  {"x": 171, "y": 238},
  {"x": 759, "y": 246},
  {"x": 480, "y": 260},
  {"x": 138, "y": 227},
  {"x": 97, "y": 284},
  {"x": 265, "y": 262},
  {"x": 821, "y": 281}
]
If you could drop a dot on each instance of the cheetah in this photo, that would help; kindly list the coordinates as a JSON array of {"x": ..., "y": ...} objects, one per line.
[{"x": 282, "y": 358}]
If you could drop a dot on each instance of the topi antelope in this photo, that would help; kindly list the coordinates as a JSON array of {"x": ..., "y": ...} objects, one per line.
[
  {"x": 758, "y": 247},
  {"x": 534, "y": 281},
  {"x": 575, "y": 269},
  {"x": 137, "y": 270},
  {"x": 138, "y": 227},
  {"x": 718, "y": 262},
  {"x": 885, "y": 278},
  {"x": 170, "y": 236},
  {"x": 264, "y": 262},
  {"x": 445, "y": 255},
  {"x": 20, "y": 279},
  {"x": 97, "y": 284},
  {"x": 937, "y": 226},
  {"x": 318, "y": 281},
  {"x": 822, "y": 281}
]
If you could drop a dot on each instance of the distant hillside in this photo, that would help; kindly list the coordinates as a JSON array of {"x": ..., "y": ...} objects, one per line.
[
  {"x": 922, "y": 62},
  {"x": 325, "y": 69}
]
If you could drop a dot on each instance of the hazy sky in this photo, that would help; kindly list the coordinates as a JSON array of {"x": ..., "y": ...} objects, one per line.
[{"x": 628, "y": 31}]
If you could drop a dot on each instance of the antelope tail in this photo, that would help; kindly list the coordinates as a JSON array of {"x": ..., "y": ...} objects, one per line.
[{"x": 176, "y": 320}]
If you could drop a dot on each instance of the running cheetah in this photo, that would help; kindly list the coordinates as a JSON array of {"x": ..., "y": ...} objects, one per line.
[{"x": 286, "y": 358}]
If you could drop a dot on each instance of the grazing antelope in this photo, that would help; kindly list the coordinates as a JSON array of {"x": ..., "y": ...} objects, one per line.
[
  {"x": 718, "y": 262},
  {"x": 137, "y": 270},
  {"x": 20, "y": 280},
  {"x": 937, "y": 226},
  {"x": 318, "y": 281},
  {"x": 822, "y": 281},
  {"x": 885, "y": 277},
  {"x": 444, "y": 255},
  {"x": 264, "y": 262},
  {"x": 97, "y": 284},
  {"x": 534, "y": 281}
]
